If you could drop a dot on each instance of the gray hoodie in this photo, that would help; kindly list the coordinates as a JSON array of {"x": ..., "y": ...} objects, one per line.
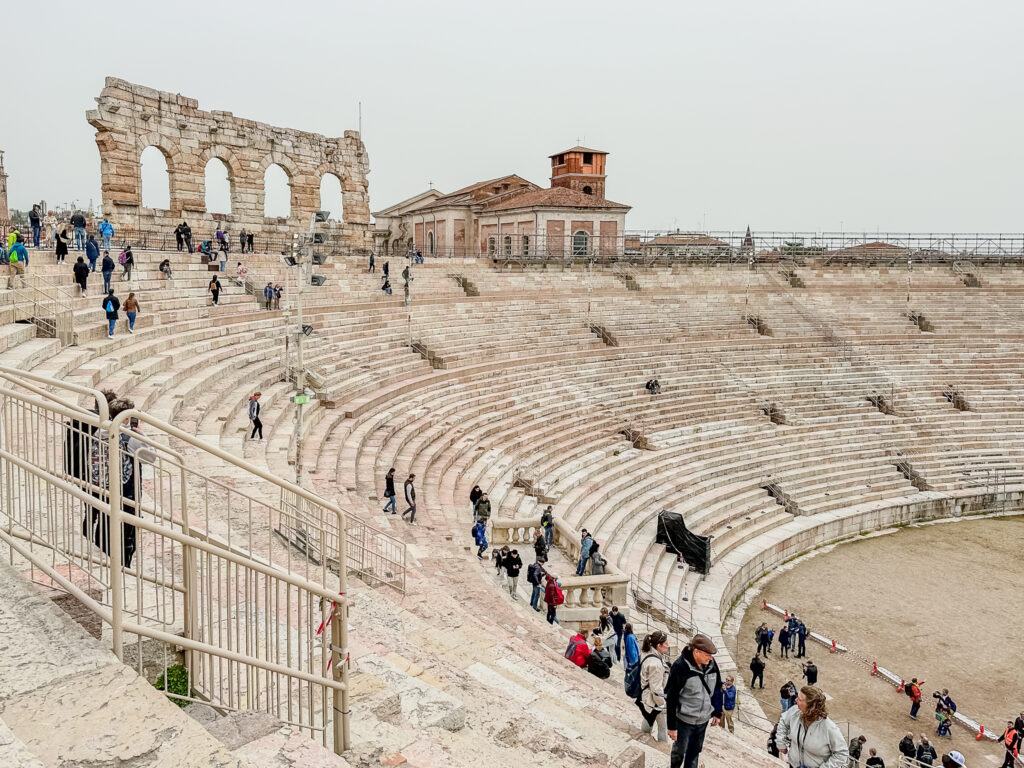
[{"x": 820, "y": 746}]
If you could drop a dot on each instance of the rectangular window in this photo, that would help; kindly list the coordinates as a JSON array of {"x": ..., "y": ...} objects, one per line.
[
  {"x": 526, "y": 245},
  {"x": 588, "y": 158}
]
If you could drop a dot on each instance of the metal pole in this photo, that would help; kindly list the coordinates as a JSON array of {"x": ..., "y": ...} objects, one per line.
[
  {"x": 114, "y": 539},
  {"x": 300, "y": 376},
  {"x": 339, "y": 649}
]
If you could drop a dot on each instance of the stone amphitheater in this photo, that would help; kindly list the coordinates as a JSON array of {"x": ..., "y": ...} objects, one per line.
[{"x": 790, "y": 417}]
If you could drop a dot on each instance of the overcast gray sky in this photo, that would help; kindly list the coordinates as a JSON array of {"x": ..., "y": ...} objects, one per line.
[{"x": 900, "y": 115}]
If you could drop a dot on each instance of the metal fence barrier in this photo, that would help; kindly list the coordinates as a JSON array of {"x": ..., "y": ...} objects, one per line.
[{"x": 187, "y": 557}]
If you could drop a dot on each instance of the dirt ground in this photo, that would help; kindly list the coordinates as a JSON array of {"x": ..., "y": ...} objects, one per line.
[{"x": 942, "y": 603}]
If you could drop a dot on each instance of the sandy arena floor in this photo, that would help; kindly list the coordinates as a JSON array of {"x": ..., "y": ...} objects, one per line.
[{"x": 942, "y": 603}]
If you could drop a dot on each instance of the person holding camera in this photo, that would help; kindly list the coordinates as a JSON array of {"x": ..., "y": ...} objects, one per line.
[{"x": 810, "y": 672}]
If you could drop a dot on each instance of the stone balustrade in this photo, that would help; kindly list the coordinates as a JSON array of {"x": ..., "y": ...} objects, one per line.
[{"x": 584, "y": 595}]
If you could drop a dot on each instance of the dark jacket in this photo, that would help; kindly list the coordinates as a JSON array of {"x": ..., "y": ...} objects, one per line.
[
  {"x": 389, "y": 485},
  {"x": 115, "y": 303},
  {"x": 33, "y": 217},
  {"x": 81, "y": 270},
  {"x": 535, "y": 574},
  {"x": 410, "y": 492},
  {"x": 512, "y": 565},
  {"x": 926, "y": 753},
  {"x": 908, "y": 748},
  {"x": 693, "y": 694},
  {"x": 540, "y": 547},
  {"x": 108, "y": 264},
  {"x": 618, "y": 622},
  {"x": 474, "y": 496},
  {"x": 811, "y": 673},
  {"x": 483, "y": 508},
  {"x": 784, "y": 636},
  {"x": 756, "y": 665},
  {"x": 546, "y": 519},
  {"x": 92, "y": 250},
  {"x": 78, "y": 220}
]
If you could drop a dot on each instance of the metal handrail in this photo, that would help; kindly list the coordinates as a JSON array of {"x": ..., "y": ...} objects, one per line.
[{"x": 55, "y": 303}]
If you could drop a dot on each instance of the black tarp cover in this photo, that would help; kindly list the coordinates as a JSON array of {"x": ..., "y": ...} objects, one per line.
[{"x": 673, "y": 533}]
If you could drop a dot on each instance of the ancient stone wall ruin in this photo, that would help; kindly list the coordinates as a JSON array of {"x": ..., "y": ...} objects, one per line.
[{"x": 129, "y": 118}]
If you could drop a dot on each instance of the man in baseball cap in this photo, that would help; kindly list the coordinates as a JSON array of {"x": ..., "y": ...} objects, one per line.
[
  {"x": 693, "y": 698},
  {"x": 953, "y": 760}
]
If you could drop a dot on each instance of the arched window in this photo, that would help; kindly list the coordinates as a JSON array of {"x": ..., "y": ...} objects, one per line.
[
  {"x": 588, "y": 191},
  {"x": 156, "y": 183},
  {"x": 218, "y": 186},
  {"x": 507, "y": 244},
  {"x": 331, "y": 197},
  {"x": 277, "y": 194},
  {"x": 580, "y": 243},
  {"x": 492, "y": 245},
  {"x": 430, "y": 242},
  {"x": 526, "y": 245}
]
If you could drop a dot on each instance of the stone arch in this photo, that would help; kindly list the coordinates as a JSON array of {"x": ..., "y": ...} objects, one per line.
[
  {"x": 277, "y": 209},
  {"x": 154, "y": 181},
  {"x": 291, "y": 170},
  {"x": 337, "y": 209},
  {"x": 172, "y": 157},
  {"x": 234, "y": 169}
]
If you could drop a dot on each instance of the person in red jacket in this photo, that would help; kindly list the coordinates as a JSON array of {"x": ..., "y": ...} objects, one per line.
[
  {"x": 914, "y": 691},
  {"x": 551, "y": 598},
  {"x": 579, "y": 650},
  {"x": 1011, "y": 742}
]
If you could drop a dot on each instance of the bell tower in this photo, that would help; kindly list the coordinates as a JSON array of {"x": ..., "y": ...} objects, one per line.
[{"x": 581, "y": 169}]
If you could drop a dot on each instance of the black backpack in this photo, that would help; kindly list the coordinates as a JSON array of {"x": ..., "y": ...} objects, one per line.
[
  {"x": 631, "y": 680},
  {"x": 599, "y": 666}
]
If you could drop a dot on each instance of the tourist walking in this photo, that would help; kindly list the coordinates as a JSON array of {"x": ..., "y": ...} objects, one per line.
[
  {"x": 111, "y": 304},
  {"x": 81, "y": 270},
  {"x": 215, "y": 290},
  {"x": 586, "y": 543},
  {"x": 107, "y": 270},
  {"x": 254, "y": 416},
  {"x": 810, "y": 671},
  {"x": 482, "y": 510},
  {"x": 78, "y": 222},
  {"x": 540, "y": 550},
  {"x": 499, "y": 562},
  {"x": 243, "y": 240},
  {"x": 618, "y": 620},
  {"x": 131, "y": 309},
  {"x": 630, "y": 647},
  {"x": 268, "y": 295},
  {"x": 17, "y": 259},
  {"x": 480, "y": 538},
  {"x": 654, "y": 671},
  {"x": 1011, "y": 743},
  {"x": 784, "y": 642},
  {"x": 513, "y": 565},
  {"x": 855, "y": 749},
  {"x": 373, "y": 267},
  {"x": 61, "y": 247},
  {"x": 474, "y": 497},
  {"x": 807, "y": 737},
  {"x": 241, "y": 274},
  {"x": 186, "y": 235},
  {"x": 907, "y": 747},
  {"x": 547, "y": 524},
  {"x": 535, "y": 575},
  {"x": 913, "y": 690},
  {"x": 693, "y": 697},
  {"x": 761, "y": 636},
  {"x": 728, "y": 705},
  {"x": 410, "y": 499},
  {"x": 926, "y": 754},
  {"x": 389, "y": 491},
  {"x": 757, "y": 671},
  {"x": 552, "y": 598},
  {"x": 92, "y": 252},
  {"x": 127, "y": 260},
  {"x": 106, "y": 230},
  {"x": 37, "y": 225}
]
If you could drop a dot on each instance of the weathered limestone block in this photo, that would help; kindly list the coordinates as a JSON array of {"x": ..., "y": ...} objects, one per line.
[
  {"x": 130, "y": 117},
  {"x": 422, "y": 705}
]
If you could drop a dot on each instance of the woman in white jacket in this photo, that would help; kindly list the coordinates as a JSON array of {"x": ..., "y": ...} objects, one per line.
[
  {"x": 654, "y": 671},
  {"x": 807, "y": 737}
]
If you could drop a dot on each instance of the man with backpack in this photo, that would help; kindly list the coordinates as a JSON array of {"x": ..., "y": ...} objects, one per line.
[
  {"x": 577, "y": 651},
  {"x": 479, "y": 532},
  {"x": 107, "y": 269},
  {"x": 913, "y": 690},
  {"x": 693, "y": 698},
  {"x": 17, "y": 259},
  {"x": 106, "y": 230},
  {"x": 547, "y": 524},
  {"x": 553, "y": 597},
  {"x": 111, "y": 305},
  {"x": 535, "y": 578}
]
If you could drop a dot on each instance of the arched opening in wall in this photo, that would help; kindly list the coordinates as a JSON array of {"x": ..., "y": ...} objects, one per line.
[
  {"x": 277, "y": 193},
  {"x": 588, "y": 190},
  {"x": 580, "y": 243},
  {"x": 218, "y": 186},
  {"x": 430, "y": 242},
  {"x": 492, "y": 245},
  {"x": 156, "y": 182},
  {"x": 507, "y": 243},
  {"x": 331, "y": 197}
]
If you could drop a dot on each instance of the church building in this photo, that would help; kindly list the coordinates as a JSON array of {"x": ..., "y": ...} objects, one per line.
[{"x": 510, "y": 216}]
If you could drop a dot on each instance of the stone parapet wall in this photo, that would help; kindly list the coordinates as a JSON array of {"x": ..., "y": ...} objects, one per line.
[{"x": 129, "y": 118}]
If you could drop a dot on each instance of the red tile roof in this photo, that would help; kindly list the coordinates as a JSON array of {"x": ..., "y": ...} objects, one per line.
[
  {"x": 554, "y": 197},
  {"x": 578, "y": 148}
]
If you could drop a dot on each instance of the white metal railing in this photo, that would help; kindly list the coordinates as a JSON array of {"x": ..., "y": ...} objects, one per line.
[
  {"x": 46, "y": 305},
  {"x": 191, "y": 562}
]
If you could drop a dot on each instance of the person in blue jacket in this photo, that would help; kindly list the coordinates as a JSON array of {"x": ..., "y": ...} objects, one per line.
[
  {"x": 480, "y": 537},
  {"x": 92, "y": 252},
  {"x": 18, "y": 260},
  {"x": 632, "y": 647},
  {"x": 106, "y": 230}
]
